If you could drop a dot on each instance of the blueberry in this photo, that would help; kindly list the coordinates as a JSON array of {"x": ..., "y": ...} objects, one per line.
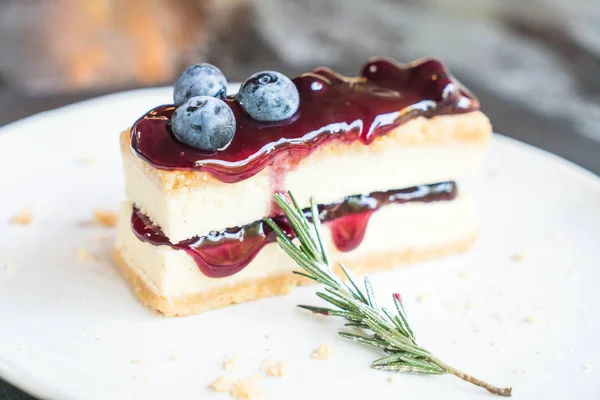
[
  {"x": 269, "y": 96},
  {"x": 200, "y": 80},
  {"x": 204, "y": 122}
]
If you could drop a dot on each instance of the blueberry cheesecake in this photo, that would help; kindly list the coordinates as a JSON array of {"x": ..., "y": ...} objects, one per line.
[{"x": 381, "y": 153}]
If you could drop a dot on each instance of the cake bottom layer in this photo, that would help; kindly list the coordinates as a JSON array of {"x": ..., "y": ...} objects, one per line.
[{"x": 170, "y": 282}]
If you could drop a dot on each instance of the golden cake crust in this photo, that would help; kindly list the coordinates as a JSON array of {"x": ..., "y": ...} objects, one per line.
[
  {"x": 274, "y": 285},
  {"x": 472, "y": 128}
]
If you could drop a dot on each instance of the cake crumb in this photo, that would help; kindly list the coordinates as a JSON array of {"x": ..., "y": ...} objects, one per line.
[
  {"x": 532, "y": 319},
  {"x": 323, "y": 352},
  {"x": 470, "y": 305},
  {"x": 495, "y": 289},
  {"x": 231, "y": 362},
  {"x": 274, "y": 369},
  {"x": 174, "y": 357},
  {"x": 423, "y": 297},
  {"x": 246, "y": 389},
  {"x": 136, "y": 361},
  {"x": 587, "y": 367},
  {"x": 221, "y": 385},
  {"x": 520, "y": 256},
  {"x": 88, "y": 161},
  {"x": 83, "y": 255},
  {"x": 451, "y": 304},
  {"x": 23, "y": 217},
  {"x": 392, "y": 378},
  {"x": 106, "y": 218},
  {"x": 9, "y": 265},
  {"x": 465, "y": 273}
]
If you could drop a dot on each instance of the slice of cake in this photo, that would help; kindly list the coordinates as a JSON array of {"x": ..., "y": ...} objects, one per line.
[{"x": 381, "y": 153}]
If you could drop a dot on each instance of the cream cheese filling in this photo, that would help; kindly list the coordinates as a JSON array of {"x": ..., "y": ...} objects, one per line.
[
  {"x": 197, "y": 209},
  {"x": 393, "y": 228}
]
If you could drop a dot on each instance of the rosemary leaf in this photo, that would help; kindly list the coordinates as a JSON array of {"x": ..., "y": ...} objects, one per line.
[
  {"x": 359, "y": 295},
  {"x": 370, "y": 294},
  {"x": 401, "y": 367},
  {"x": 367, "y": 340}
]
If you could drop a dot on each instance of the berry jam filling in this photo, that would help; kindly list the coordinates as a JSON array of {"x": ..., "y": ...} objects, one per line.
[
  {"x": 224, "y": 253},
  {"x": 332, "y": 107}
]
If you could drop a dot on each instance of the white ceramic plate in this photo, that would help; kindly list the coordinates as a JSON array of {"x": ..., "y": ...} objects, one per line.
[{"x": 71, "y": 329}]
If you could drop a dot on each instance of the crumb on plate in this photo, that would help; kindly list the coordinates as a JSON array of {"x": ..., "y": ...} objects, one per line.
[
  {"x": 471, "y": 305},
  {"x": 231, "y": 362},
  {"x": 23, "y": 217},
  {"x": 465, "y": 273},
  {"x": 83, "y": 255},
  {"x": 221, "y": 385},
  {"x": 423, "y": 297},
  {"x": 87, "y": 161},
  {"x": 9, "y": 265},
  {"x": 107, "y": 218},
  {"x": 451, "y": 304},
  {"x": 246, "y": 389},
  {"x": 532, "y": 319},
  {"x": 520, "y": 256},
  {"x": 274, "y": 369},
  {"x": 136, "y": 361},
  {"x": 323, "y": 352}
]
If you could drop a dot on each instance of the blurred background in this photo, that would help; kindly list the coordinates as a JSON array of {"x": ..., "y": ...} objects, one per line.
[{"x": 535, "y": 64}]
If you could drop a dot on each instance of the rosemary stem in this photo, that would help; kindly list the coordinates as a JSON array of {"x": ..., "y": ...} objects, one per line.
[
  {"x": 389, "y": 332},
  {"x": 504, "y": 392}
]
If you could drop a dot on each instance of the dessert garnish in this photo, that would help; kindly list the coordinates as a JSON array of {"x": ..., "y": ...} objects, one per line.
[
  {"x": 205, "y": 123},
  {"x": 382, "y": 328},
  {"x": 200, "y": 80},
  {"x": 269, "y": 96}
]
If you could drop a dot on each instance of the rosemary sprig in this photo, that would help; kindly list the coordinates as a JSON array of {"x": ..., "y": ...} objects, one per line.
[{"x": 382, "y": 328}]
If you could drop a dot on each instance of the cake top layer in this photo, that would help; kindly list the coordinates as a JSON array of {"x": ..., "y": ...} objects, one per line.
[{"x": 332, "y": 107}]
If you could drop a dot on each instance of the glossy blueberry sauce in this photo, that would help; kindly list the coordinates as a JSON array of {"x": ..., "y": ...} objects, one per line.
[
  {"x": 332, "y": 107},
  {"x": 224, "y": 253}
]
